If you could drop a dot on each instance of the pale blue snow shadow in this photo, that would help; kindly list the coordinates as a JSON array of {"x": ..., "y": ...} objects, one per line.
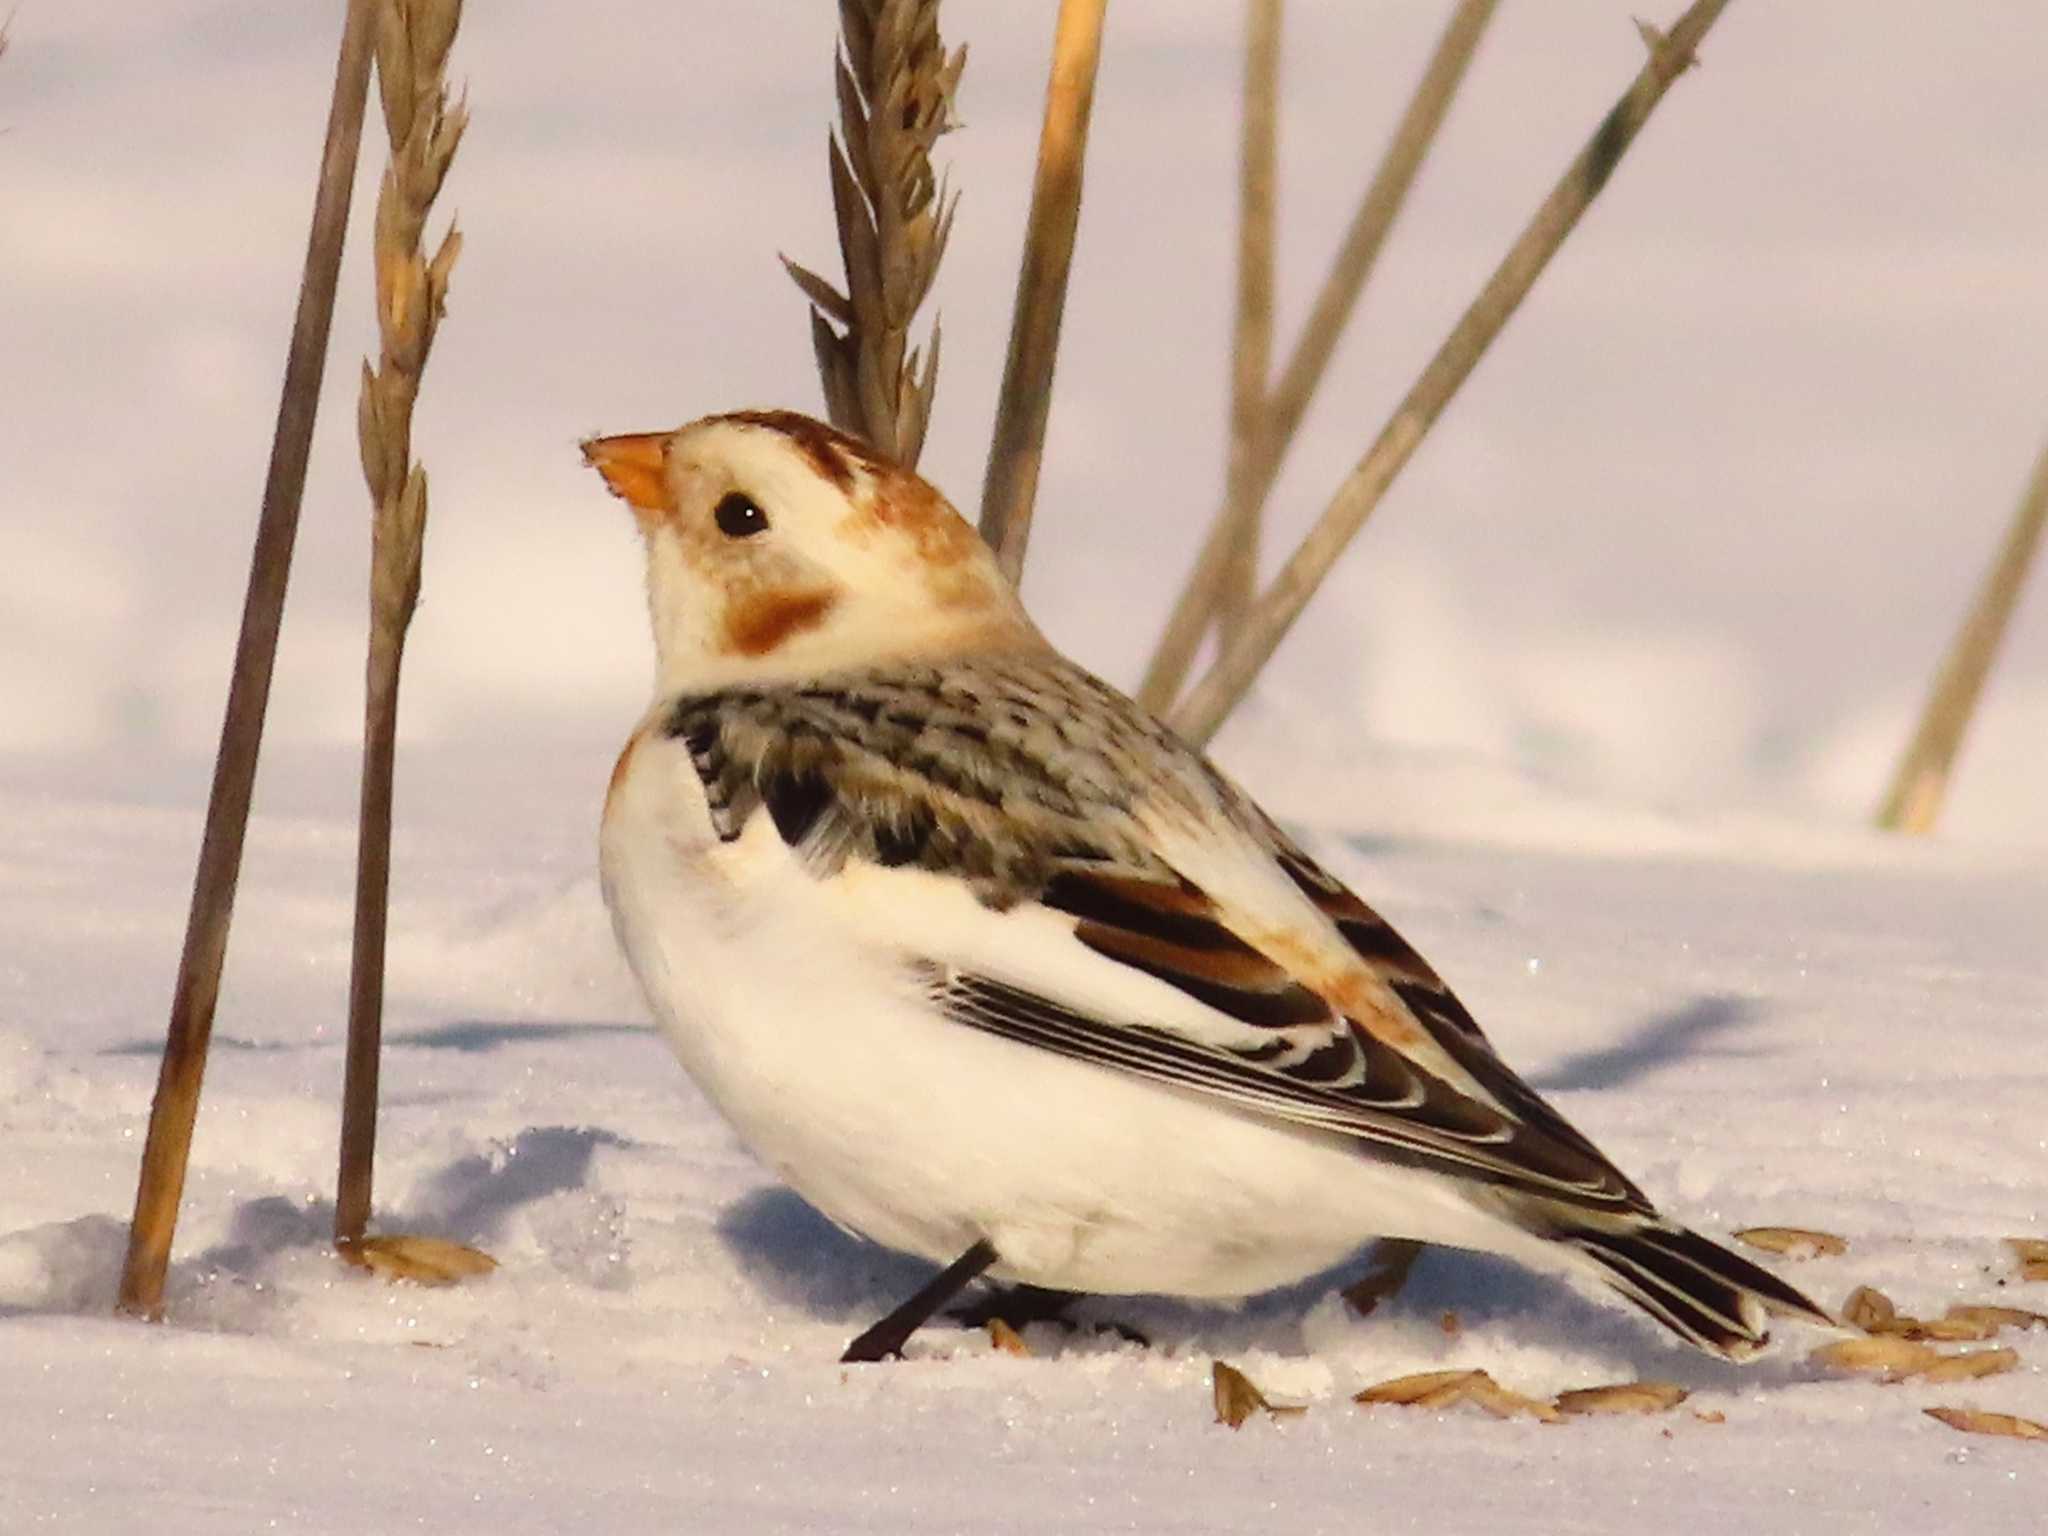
[
  {"x": 470, "y": 1198},
  {"x": 798, "y": 1258},
  {"x": 1663, "y": 1040},
  {"x": 490, "y": 1034}
]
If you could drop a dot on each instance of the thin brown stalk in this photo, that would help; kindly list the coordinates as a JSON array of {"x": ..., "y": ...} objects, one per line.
[
  {"x": 1011, "y": 485},
  {"x": 168, "y": 1148},
  {"x": 1251, "y": 347},
  {"x": 1920, "y": 783},
  {"x": 413, "y": 39},
  {"x": 895, "y": 82},
  {"x": 1384, "y": 198},
  {"x": 1203, "y": 710}
]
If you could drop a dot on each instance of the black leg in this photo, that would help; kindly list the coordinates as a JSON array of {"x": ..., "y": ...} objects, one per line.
[{"x": 888, "y": 1336}]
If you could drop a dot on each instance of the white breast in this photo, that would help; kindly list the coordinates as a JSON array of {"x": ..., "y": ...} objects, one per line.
[{"x": 792, "y": 1003}]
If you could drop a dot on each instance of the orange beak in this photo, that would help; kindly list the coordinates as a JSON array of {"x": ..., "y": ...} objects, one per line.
[{"x": 635, "y": 466}]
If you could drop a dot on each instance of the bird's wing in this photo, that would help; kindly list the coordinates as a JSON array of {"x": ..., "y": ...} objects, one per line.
[{"x": 1056, "y": 868}]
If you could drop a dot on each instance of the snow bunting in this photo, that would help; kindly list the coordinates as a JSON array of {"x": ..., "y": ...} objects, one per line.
[{"x": 993, "y": 968}]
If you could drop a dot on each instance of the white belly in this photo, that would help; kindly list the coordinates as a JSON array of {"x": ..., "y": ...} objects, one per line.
[{"x": 925, "y": 1134}]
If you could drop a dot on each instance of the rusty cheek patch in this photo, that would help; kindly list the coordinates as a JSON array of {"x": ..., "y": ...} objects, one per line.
[{"x": 758, "y": 621}]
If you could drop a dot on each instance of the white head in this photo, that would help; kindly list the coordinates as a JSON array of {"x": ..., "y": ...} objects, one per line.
[{"x": 780, "y": 549}]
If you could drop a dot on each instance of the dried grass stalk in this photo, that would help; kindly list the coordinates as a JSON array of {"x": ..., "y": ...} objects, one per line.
[
  {"x": 895, "y": 83},
  {"x": 1920, "y": 782},
  {"x": 1245, "y": 497},
  {"x": 413, "y": 39},
  {"x": 172, "y": 1113},
  {"x": 1251, "y": 345},
  {"x": 1198, "y": 715},
  {"x": 1010, "y": 488}
]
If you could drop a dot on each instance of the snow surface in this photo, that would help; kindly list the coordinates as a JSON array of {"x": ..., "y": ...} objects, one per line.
[{"x": 1762, "y": 1025}]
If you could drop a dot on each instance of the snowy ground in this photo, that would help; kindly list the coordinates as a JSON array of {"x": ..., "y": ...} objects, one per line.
[{"x": 1763, "y": 1025}]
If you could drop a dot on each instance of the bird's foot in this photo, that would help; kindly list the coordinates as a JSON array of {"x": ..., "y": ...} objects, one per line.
[{"x": 1016, "y": 1307}]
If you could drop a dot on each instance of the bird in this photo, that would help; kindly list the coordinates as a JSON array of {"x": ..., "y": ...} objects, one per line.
[{"x": 994, "y": 969}]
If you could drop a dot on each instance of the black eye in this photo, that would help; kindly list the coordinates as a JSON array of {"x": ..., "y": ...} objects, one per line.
[{"x": 738, "y": 517}]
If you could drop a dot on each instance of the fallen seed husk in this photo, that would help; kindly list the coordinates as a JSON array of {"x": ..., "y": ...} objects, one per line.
[
  {"x": 1868, "y": 1308},
  {"x": 1894, "y": 1358},
  {"x": 1503, "y": 1404},
  {"x": 1793, "y": 1242},
  {"x": 1447, "y": 1389},
  {"x": 1944, "y": 1330},
  {"x": 1237, "y": 1399},
  {"x": 1623, "y": 1397},
  {"x": 1007, "y": 1339},
  {"x": 1974, "y": 1421},
  {"x": 2034, "y": 1269},
  {"x": 1710, "y": 1415},
  {"x": 2031, "y": 1250},
  {"x": 1417, "y": 1389},
  {"x": 2001, "y": 1317},
  {"x": 421, "y": 1260},
  {"x": 1972, "y": 1364}
]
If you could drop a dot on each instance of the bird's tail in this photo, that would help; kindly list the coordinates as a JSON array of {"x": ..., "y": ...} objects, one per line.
[{"x": 1714, "y": 1299}]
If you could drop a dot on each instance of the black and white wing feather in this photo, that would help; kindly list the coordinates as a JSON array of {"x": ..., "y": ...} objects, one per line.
[{"x": 1048, "y": 795}]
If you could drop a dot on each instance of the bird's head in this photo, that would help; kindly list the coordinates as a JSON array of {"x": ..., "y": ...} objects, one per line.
[{"x": 779, "y": 548}]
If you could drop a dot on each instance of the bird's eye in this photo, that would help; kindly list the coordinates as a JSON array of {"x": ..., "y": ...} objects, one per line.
[{"x": 738, "y": 517}]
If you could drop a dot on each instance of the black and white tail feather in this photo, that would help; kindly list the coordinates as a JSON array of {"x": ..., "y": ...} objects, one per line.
[{"x": 1711, "y": 1297}]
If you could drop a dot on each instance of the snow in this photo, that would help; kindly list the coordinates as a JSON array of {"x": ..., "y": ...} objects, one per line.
[
  {"x": 1761, "y": 1028},
  {"x": 1594, "y": 712}
]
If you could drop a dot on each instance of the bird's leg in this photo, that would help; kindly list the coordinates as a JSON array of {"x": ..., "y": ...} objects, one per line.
[{"x": 888, "y": 1336}]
